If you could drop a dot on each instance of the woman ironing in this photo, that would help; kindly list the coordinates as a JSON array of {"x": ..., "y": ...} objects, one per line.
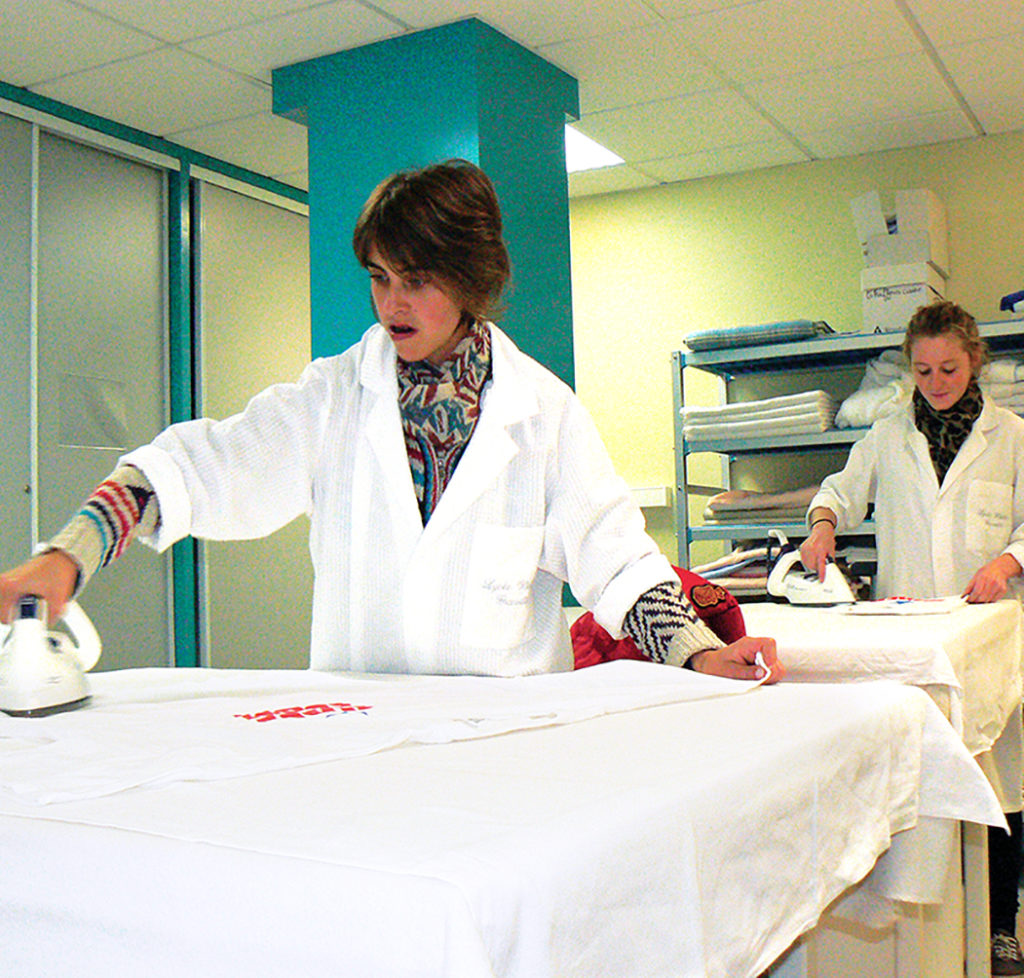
[
  {"x": 946, "y": 476},
  {"x": 453, "y": 484}
]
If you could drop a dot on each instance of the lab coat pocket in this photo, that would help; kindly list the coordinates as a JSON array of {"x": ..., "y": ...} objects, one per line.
[
  {"x": 988, "y": 517},
  {"x": 499, "y": 588}
]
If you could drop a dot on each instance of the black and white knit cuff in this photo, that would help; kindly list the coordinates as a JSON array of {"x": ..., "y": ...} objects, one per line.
[{"x": 666, "y": 628}]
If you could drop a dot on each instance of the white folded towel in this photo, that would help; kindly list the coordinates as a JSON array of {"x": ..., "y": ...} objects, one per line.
[{"x": 1003, "y": 371}]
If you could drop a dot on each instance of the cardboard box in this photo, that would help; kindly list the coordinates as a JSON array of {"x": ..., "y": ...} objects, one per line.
[
  {"x": 911, "y": 230},
  {"x": 893, "y": 293}
]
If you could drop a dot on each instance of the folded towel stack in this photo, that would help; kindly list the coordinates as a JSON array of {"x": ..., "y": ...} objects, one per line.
[
  {"x": 746, "y": 506},
  {"x": 791, "y": 414}
]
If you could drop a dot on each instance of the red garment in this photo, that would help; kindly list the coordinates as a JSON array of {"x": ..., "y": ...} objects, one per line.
[{"x": 591, "y": 644}]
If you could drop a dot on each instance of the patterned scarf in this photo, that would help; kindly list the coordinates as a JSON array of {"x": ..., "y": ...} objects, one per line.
[
  {"x": 440, "y": 407},
  {"x": 946, "y": 431}
]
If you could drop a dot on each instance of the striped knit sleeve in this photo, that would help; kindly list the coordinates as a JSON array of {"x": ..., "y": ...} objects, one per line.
[
  {"x": 123, "y": 504},
  {"x": 666, "y": 628}
]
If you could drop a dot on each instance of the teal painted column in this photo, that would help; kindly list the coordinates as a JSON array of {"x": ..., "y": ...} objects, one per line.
[
  {"x": 461, "y": 90},
  {"x": 181, "y": 383}
]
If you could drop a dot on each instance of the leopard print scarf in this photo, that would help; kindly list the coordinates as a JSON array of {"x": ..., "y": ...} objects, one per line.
[{"x": 947, "y": 430}]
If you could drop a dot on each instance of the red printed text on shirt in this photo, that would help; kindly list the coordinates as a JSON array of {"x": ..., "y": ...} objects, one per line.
[{"x": 292, "y": 712}]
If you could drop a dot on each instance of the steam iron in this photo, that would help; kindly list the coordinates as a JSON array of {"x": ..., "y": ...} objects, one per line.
[
  {"x": 43, "y": 672},
  {"x": 789, "y": 581}
]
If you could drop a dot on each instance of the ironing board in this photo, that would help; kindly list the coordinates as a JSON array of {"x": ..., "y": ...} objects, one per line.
[
  {"x": 968, "y": 659},
  {"x": 694, "y": 839}
]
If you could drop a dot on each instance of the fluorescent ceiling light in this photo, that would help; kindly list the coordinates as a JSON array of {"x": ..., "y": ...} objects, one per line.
[{"x": 583, "y": 153}]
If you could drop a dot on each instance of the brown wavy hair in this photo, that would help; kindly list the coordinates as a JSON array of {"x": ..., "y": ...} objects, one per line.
[
  {"x": 947, "y": 318},
  {"x": 444, "y": 220}
]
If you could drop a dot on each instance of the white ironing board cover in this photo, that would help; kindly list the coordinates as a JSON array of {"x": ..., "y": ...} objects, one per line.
[
  {"x": 692, "y": 839},
  {"x": 148, "y": 727},
  {"x": 974, "y": 651}
]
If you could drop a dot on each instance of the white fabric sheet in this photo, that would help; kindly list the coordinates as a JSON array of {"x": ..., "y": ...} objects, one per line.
[
  {"x": 785, "y": 405},
  {"x": 974, "y": 652},
  {"x": 810, "y": 411},
  {"x": 695, "y": 840},
  {"x": 207, "y": 725},
  {"x": 809, "y": 423}
]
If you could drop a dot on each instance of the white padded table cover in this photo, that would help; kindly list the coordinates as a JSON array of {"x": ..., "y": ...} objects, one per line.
[
  {"x": 975, "y": 652},
  {"x": 694, "y": 839}
]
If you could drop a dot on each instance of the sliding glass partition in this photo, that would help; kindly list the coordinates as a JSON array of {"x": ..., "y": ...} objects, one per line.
[{"x": 253, "y": 317}]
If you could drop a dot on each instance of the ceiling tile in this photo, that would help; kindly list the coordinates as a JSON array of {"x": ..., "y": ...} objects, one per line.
[
  {"x": 727, "y": 159},
  {"x": 674, "y": 9},
  {"x": 164, "y": 91},
  {"x": 889, "y": 134},
  {"x": 676, "y": 127},
  {"x": 179, "y": 21},
  {"x": 264, "y": 143},
  {"x": 29, "y": 54},
  {"x": 967, "y": 20},
  {"x": 630, "y": 67},
  {"x": 990, "y": 76},
  {"x": 677, "y": 87},
  {"x": 1006, "y": 115},
  {"x": 531, "y": 22},
  {"x": 855, "y": 94},
  {"x": 324, "y": 29},
  {"x": 774, "y": 38},
  {"x": 608, "y": 180}
]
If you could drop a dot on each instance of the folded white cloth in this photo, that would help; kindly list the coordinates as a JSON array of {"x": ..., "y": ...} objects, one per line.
[
  {"x": 865, "y": 406},
  {"x": 786, "y": 405},
  {"x": 888, "y": 365},
  {"x": 807, "y": 424},
  {"x": 999, "y": 390},
  {"x": 1003, "y": 371},
  {"x": 208, "y": 725}
]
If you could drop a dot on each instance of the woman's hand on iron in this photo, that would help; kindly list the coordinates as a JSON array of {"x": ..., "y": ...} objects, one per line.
[
  {"x": 990, "y": 582},
  {"x": 740, "y": 660},
  {"x": 51, "y": 576},
  {"x": 819, "y": 548}
]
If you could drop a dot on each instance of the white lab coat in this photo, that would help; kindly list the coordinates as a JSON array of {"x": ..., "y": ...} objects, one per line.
[
  {"x": 931, "y": 539},
  {"x": 534, "y": 501}
]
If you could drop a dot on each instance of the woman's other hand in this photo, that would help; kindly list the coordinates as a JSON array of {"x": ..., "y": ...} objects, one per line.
[
  {"x": 740, "y": 660},
  {"x": 990, "y": 582}
]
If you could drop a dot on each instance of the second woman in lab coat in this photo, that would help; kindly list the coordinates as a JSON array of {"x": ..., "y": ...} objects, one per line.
[{"x": 946, "y": 476}]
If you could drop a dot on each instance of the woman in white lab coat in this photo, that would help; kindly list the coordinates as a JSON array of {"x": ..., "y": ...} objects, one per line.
[
  {"x": 452, "y": 482},
  {"x": 946, "y": 476}
]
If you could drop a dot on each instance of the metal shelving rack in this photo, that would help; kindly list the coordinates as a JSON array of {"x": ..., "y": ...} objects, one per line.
[{"x": 826, "y": 353}]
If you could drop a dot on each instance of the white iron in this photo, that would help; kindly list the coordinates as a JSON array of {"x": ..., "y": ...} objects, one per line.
[
  {"x": 789, "y": 581},
  {"x": 43, "y": 672}
]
